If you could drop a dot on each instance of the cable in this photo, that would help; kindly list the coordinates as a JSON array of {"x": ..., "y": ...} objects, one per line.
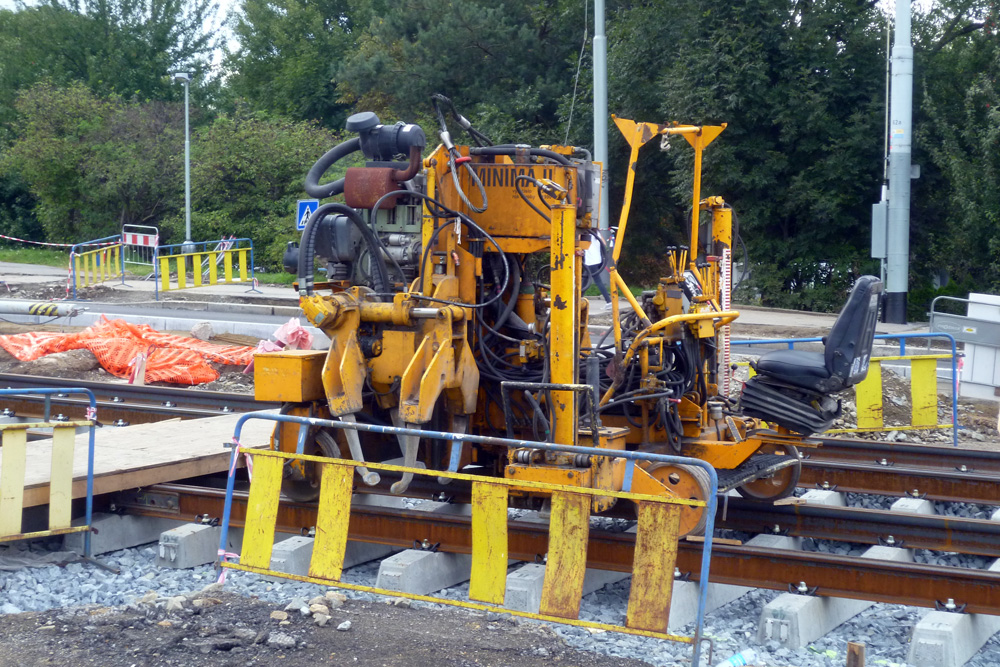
[
  {"x": 452, "y": 161},
  {"x": 579, "y": 64},
  {"x": 312, "y": 184},
  {"x": 474, "y": 227},
  {"x": 454, "y": 155},
  {"x": 517, "y": 186},
  {"x": 538, "y": 416},
  {"x": 477, "y": 136},
  {"x": 511, "y": 150}
]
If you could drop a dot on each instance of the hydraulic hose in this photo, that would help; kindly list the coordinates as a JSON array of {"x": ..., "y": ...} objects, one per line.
[
  {"x": 322, "y": 191},
  {"x": 511, "y": 149},
  {"x": 515, "y": 290},
  {"x": 307, "y": 251}
]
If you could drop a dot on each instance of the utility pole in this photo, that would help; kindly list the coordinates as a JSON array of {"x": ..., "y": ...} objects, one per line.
[
  {"x": 185, "y": 77},
  {"x": 900, "y": 151},
  {"x": 601, "y": 108}
]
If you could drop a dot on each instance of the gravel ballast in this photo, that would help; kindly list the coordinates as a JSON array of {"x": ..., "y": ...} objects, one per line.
[{"x": 885, "y": 628}]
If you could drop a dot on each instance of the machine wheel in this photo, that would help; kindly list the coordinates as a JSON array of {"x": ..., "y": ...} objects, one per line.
[
  {"x": 690, "y": 482},
  {"x": 779, "y": 485},
  {"x": 303, "y": 485}
]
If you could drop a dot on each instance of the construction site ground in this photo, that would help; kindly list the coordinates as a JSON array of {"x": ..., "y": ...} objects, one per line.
[
  {"x": 231, "y": 630},
  {"x": 226, "y": 629}
]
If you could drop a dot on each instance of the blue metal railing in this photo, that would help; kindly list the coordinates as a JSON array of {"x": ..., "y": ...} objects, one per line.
[
  {"x": 105, "y": 241},
  {"x": 511, "y": 443}
]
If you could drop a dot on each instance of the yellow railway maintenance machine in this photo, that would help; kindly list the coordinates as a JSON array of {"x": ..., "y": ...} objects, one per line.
[{"x": 453, "y": 302}]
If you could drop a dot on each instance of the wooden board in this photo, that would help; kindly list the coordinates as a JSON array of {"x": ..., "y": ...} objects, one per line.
[{"x": 133, "y": 456}]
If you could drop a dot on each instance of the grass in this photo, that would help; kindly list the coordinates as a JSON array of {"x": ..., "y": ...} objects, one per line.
[
  {"x": 636, "y": 290},
  {"x": 277, "y": 278},
  {"x": 44, "y": 256}
]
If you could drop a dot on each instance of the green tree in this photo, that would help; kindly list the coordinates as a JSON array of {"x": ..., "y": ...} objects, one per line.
[
  {"x": 109, "y": 47},
  {"x": 508, "y": 65},
  {"x": 93, "y": 163},
  {"x": 289, "y": 52},
  {"x": 955, "y": 228},
  {"x": 247, "y": 172},
  {"x": 17, "y": 206},
  {"x": 25, "y": 57},
  {"x": 800, "y": 86},
  {"x": 125, "y": 47}
]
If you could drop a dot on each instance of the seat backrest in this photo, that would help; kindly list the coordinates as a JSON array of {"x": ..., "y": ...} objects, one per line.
[{"x": 849, "y": 344}]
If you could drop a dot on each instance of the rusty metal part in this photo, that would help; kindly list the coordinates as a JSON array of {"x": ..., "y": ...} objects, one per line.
[
  {"x": 364, "y": 186},
  {"x": 834, "y": 576},
  {"x": 864, "y": 526},
  {"x": 905, "y": 454},
  {"x": 946, "y": 485},
  {"x": 685, "y": 482},
  {"x": 402, "y": 175}
]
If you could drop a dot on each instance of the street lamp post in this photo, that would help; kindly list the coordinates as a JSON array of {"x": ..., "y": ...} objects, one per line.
[{"x": 185, "y": 77}]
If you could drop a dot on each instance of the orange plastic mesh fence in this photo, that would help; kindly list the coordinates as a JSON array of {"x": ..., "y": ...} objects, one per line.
[{"x": 116, "y": 344}]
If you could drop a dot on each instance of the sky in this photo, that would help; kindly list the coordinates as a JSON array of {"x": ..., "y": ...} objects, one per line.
[{"x": 224, "y": 7}]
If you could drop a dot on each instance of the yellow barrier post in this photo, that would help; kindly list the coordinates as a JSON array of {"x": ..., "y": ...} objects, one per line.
[
  {"x": 196, "y": 263},
  {"x": 13, "y": 467},
  {"x": 237, "y": 266},
  {"x": 869, "y": 395},
  {"x": 655, "y": 551},
  {"x": 97, "y": 266}
]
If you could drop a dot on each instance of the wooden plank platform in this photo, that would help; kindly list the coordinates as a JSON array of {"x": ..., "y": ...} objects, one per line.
[{"x": 133, "y": 456}]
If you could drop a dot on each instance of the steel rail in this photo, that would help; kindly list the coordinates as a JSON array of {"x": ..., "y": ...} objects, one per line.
[
  {"x": 132, "y": 403},
  {"x": 856, "y": 450},
  {"x": 824, "y": 574},
  {"x": 864, "y": 526},
  {"x": 934, "y": 484}
]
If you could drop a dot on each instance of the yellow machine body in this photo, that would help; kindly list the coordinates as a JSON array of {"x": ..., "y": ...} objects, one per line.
[{"x": 445, "y": 348}]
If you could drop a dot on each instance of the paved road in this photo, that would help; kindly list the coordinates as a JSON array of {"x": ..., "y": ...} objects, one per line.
[{"x": 170, "y": 314}]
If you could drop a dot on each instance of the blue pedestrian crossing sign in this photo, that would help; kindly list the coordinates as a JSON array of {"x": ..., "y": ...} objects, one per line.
[{"x": 305, "y": 209}]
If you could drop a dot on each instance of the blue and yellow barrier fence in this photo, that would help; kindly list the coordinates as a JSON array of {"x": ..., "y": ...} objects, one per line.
[
  {"x": 869, "y": 395},
  {"x": 655, "y": 546},
  {"x": 103, "y": 263},
  {"x": 221, "y": 262},
  {"x": 13, "y": 467}
]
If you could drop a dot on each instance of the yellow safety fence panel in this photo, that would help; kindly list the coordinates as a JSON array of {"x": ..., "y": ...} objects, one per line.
[
  {"x": 97, "y": 266},
  {"x": 869, "y": 395},
  {"x": 235, "y": 264},
  {"x": 14, "y": 463},
  {"x": 653, "y": 563}
]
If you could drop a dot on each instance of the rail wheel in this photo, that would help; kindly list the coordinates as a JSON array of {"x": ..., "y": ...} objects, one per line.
[
  {"x": 301, "y": 482},
  {"x": 690, "y": 482},
  {"x": 779, "y": 485}
]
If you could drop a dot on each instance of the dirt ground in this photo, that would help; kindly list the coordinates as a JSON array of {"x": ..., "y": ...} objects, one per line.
[{"x": 218, "y": 628}]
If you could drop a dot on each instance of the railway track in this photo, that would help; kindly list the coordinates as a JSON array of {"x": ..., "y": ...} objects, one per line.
[
  {"x": 843, "y": 464},
  {"x": 121, "y": 403},
  {"x": 777, "y": 569},
  {"x": 896, "y": 469}
]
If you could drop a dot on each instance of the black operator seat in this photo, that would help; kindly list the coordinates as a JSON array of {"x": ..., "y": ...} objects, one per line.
[{"x": 848, "y": 347}]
